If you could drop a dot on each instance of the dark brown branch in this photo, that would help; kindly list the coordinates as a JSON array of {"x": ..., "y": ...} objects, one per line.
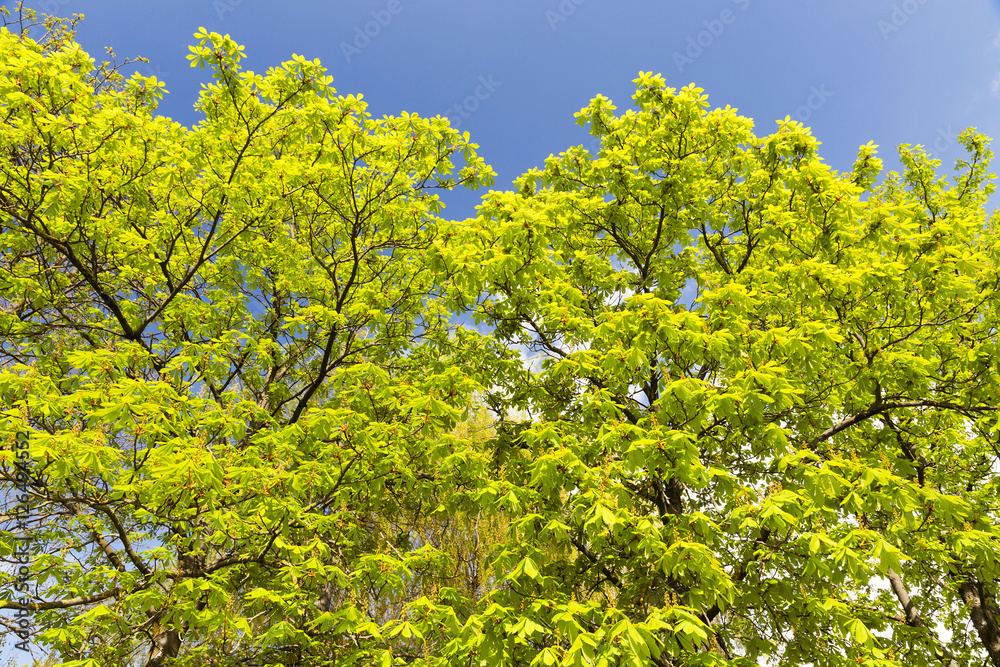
[
  {"x": 880, "y": 407},
  {"x": 610, "y": 576}
]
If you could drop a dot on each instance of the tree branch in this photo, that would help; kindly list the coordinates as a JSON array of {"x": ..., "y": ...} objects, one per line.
[
  {"x": 880, "y": 407},
  {"x": 913, "y": 619}
]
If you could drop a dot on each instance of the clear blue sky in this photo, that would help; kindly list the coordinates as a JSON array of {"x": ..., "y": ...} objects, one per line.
[
  {"x": 903, "y": 71},
  {"x": 888, "y": 71}
]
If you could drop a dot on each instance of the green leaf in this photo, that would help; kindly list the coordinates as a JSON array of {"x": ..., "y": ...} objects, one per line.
[{"x": 860, "y": 632}]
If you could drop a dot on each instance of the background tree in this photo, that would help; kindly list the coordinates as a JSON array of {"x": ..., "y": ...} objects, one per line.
[{"x": 765, "y": 409}]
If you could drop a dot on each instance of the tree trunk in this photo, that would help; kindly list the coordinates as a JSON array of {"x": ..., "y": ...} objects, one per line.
[
  {"x": 167, "y": 640},
  {"x": 166, "y": 645},
  {"x": 983, "y": 616}
]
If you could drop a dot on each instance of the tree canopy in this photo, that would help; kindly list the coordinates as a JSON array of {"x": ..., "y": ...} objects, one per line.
[{"x": 691, "y": 398}]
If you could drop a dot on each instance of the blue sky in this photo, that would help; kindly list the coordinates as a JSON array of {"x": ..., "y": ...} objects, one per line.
[{"x": 900, "y": 71}]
